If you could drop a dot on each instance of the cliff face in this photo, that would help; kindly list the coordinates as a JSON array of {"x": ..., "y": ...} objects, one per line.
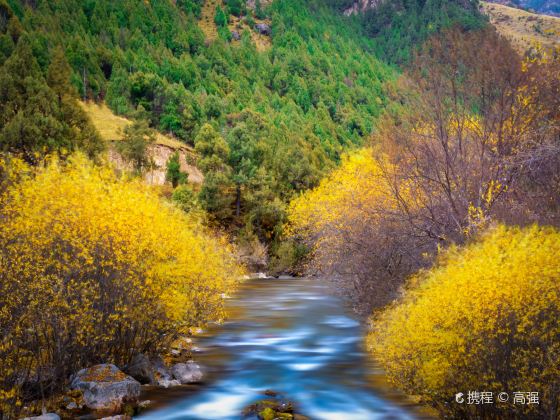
[
  {"x": 361, "y": 6},
  {"x": 160, "y": 154}
]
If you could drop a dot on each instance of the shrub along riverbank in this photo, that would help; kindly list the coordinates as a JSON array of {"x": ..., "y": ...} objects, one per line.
[
  {"x": 484, "y": 318},
  {"x": 95, "y": 269}
]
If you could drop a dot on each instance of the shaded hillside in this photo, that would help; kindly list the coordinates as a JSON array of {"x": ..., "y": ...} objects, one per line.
[{"x": 399, "y": 26}]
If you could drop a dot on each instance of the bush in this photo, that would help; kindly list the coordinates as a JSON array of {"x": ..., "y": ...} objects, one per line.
[
  {"x": 95, "y": 269},
  {"x": 185, "y": 198},
  {"x": 484, "y": 318},
  {"x": 343, "y": 222},
  {"x": 235, "y": 7},
  {"x": 220, "y": 17}
]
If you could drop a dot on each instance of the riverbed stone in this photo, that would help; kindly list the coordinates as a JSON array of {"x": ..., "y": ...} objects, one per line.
[
  {"x": 105, "y": 387},
  {"x": 47, "y": 416},
  {"x": 141, "y": 369},
  {"x": 187, "y": 373},
  {"x": 162, "y": 375}
]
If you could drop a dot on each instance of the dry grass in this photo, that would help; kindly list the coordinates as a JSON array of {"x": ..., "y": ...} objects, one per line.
[
  {"x": 524, "y": 29},
  {"x": 262, "y": 42},
  {"x": 111, "y": 126},
  {"x": 206, "y": 23}
]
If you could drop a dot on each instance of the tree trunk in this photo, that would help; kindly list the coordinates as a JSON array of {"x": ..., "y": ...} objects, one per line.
[{"x": 238, "y": 200}]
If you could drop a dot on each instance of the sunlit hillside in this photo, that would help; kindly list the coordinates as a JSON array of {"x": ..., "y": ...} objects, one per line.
[
  {"x": 524, "y": 29},
  {"x": 111, "y": 126}
]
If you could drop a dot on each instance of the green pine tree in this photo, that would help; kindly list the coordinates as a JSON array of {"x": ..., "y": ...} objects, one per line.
[{"x": 174, "y": 173}]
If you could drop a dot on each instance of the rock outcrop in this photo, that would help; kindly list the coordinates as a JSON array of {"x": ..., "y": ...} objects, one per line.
[
  {"x": 160, "y": 155},
  {"x": 263, "y": 28},
  {"x": 105, "y": 387},
  {"x": 361, "y": 6}
]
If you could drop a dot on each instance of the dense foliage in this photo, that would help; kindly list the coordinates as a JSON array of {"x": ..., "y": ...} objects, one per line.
[
  {"x": 399, "y": 26},
  {"x": 38, "y": 109},
  {"x": 94, "y": 269},
  {"x": 315, "y": 92},
  {"x": 484, "y": 318}
]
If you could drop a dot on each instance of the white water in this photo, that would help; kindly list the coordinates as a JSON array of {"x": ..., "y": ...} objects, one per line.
[{"x": 294, "y": 337}]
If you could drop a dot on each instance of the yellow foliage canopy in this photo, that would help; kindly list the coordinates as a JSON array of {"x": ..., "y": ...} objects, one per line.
[
  {"x": 352, "y": 223},
  {"x": 95, "y": 268},
  {"x": 355, "y": 192},
  {"x": 484, "y": 318}
]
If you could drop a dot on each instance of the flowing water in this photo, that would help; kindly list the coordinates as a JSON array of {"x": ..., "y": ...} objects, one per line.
[{"x": 294, "y": 337}]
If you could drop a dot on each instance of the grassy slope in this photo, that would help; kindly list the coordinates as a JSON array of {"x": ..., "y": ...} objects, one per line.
[
  {"x": 111, "y": 126},
  {"x": 524, "y": 29},
  {"x": 207, "y": 25},
  {"x": 206, "y": 22}
]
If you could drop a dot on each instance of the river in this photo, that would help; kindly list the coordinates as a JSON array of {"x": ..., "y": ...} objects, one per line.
[{"x": 292, "y": 336}]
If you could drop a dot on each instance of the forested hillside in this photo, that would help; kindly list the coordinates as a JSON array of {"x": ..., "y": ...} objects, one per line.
[
  {"x": 283, "y": 116},
  {"x": 400, "y": 26}
]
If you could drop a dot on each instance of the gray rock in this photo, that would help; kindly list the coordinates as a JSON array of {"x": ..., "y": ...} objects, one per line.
[
  {"x": 141, "y": 369},
  {"x": 48, "y": 416},
  {"x": 144, "y": 404},
  {"x": 72, "y": 406},
  {"x": 263, "y": 28},
  {"x": 187, "y": 373},
  {"x": 235, "y": 35},
  {"x": 119, "y": 417},
  {"x": 104, "y": 387},
  {"x": 162, "y": 375}
]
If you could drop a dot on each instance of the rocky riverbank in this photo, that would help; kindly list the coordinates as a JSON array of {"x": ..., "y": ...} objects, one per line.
[{"x": 106, "y": 391}]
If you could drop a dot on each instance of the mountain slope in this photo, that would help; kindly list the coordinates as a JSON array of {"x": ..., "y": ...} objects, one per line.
[
  {"x": 111, "y": 128},
  {"x": 524, "y": 29},
  {"x": 285, "y": 114},
  {"x": 547, "y": 7},
  {"x": 399, "y": 26}
]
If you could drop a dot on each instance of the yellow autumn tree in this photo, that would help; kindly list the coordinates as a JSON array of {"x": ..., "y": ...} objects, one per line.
[
  {"x": 484, "y": 318},
  {"x": 353, "y": 225},
  {"x": 94, "y": 269}
]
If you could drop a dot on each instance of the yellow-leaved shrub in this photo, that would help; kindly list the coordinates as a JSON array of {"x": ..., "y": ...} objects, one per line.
[
  {"x": 484, "y": 318},
  {"x": 353, "y": 226},
  {"x": 94, "y": 268}
]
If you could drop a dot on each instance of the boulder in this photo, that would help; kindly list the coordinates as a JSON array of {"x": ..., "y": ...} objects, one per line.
[
  {"x": 105, "y": 387},
  {"x": 187, "y": 373},
  {"x": 144, "y": 404},
  {"x": 162, "y": 375},
  {"x": 263, "y": 28},
  {"x": 141, "y": 369},
  {"x": 48, "y": 416},
  {"x": 235, "y": 35},
  {"x": 72, "y": 406}
]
